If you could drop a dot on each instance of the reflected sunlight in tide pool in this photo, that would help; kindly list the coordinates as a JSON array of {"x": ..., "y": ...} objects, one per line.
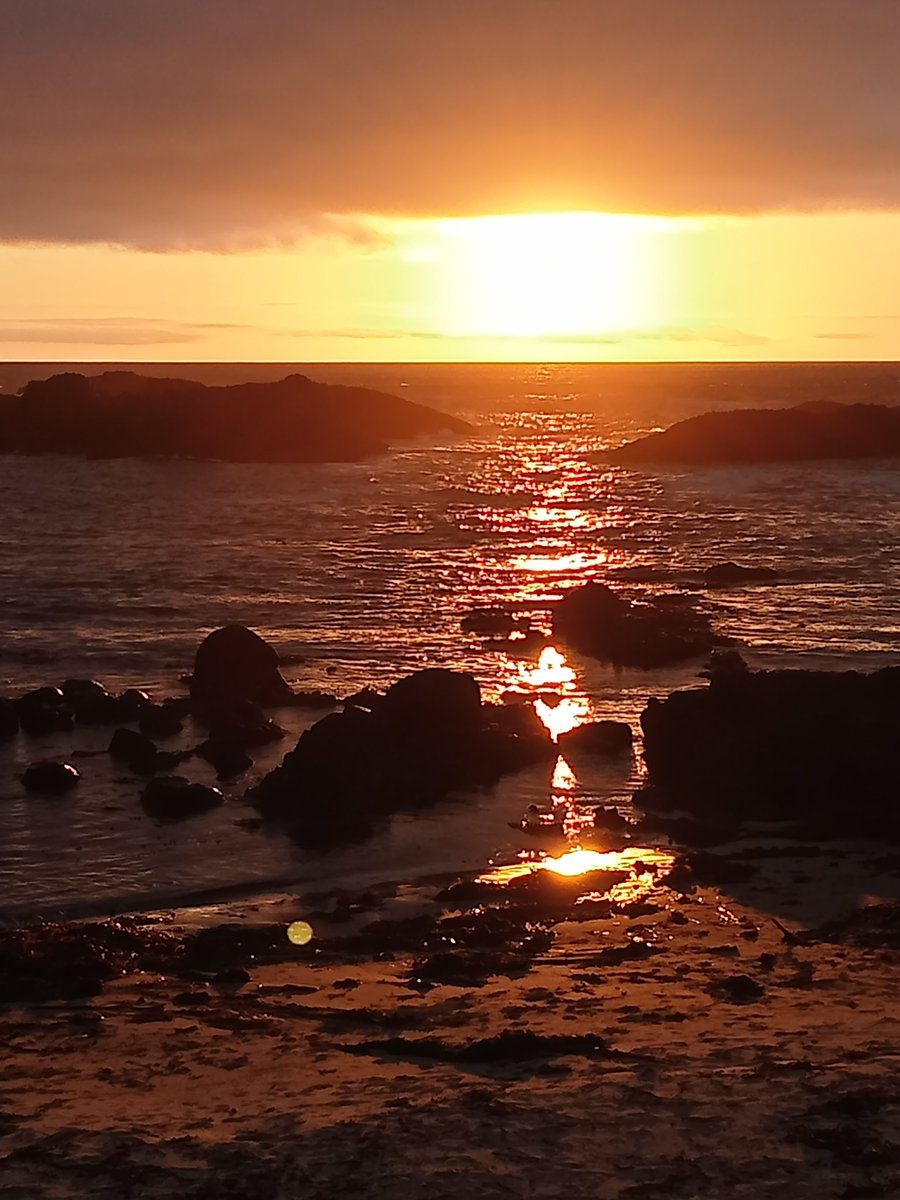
[{"x": 641, "y": 865}]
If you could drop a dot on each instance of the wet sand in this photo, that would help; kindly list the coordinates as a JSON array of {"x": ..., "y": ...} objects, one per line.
[{"x": 651, "y": 1073}]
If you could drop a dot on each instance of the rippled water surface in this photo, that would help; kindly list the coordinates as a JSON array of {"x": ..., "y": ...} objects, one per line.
[{"x": 362, "y": 572}]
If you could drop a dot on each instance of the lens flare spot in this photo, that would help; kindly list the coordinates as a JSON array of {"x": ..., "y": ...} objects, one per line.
[{"x": 300, "y": 933}]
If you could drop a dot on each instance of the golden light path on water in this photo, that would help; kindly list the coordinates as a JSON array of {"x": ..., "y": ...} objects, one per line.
[
  {"x": 639, "y": 868},
  {"x": 552, "y": 682}
]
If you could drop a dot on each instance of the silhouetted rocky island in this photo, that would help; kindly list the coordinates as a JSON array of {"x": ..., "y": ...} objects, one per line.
[
  {"x": 121, "y": 414},
  {"x": 821, "y": 429}
]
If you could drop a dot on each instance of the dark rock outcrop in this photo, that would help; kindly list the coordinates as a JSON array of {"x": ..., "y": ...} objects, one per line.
[
  {"x": 231, "y": 734},
  {"x": 596, "y": 621},
  {"x": 54, "y": 778},
  {"x": 730, "y": 574},
  {"x": 817, "y": 430},
  {"x": 9, "y": 719},
  {"x": 121, "y": 414},
  {"x": 45, "y": 711},
  {"x": 597, "y": 737},
  {"x": 819, "y": 747},
  {"x": 135, "y": 749},
  {"x": 132, "y": 703},
  {"x": 160, "y": 720},
  {"x": 172, "y": 798},
  {"x": 235, "y": 665},
  {"x": 493, "y": 623},
  {"x": 90, "y": 702},
  {"x": 427, "y": 736}
]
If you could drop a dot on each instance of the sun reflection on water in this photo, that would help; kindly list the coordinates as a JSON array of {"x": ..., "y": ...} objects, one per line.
[
  {"x": 564, "y": 778},
  {"x": 559, "y": 563},
  {"x": 552, "y": 681},
  {"x": 633, "y": 873}
]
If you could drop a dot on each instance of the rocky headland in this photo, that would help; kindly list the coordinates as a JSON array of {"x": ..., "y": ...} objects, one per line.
[
  {"x": 816, "y": 430},
  {"x": 121, "y": 414}
]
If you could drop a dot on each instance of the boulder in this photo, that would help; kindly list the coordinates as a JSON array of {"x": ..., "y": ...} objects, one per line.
[
  {"x": 54, "y": 778},
  {"x": 172, "y": 798},
  {"x": 132, "y": 703},
  {"x": 160, "y": 720},
  {"x": 594, "y": 620},
  {"x": 436, "y": 704},
  {"x": 229, "y": 761},
  {"x": 230, "y": 736},
  {"x": 90, "y": 702},
  {"x": 429, "y": 735},
  {"x": 246, "y": 725},
  {"x": 234, "y": 665},
  {"x": 45, "y": 711},
  {"x": 493, "y": 623},
  {"x": 816, "y": 746},
  {"x": 730, "y": 574},
  {"x": 134, "y": 748},
  {"x": 604, "y": 738},
  {"x": 9, "y": 719}
]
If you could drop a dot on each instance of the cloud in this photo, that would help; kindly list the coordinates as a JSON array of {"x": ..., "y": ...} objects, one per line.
[
  {"x": 107, "y": 331},
  {"x": 719, "y": 335},
  {"x": 843, "y": 337},
  {"x": 225, "y": 124}
]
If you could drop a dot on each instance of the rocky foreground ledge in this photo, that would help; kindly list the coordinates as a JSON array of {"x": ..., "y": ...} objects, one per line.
[
  {"x": 817, "y": 430},
  {"x": 121, "y": 414}
]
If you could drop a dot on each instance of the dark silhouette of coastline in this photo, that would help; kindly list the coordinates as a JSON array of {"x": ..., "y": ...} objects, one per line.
[
  {"x": 817, "y": 430},
  {"x": 121, "y": 415}
]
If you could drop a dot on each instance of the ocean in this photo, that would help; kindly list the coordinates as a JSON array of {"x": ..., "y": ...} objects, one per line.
[{"x": 360, "y": 573}]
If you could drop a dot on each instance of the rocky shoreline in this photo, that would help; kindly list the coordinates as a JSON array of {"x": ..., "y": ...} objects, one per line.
[
  {"x": 733, "y": 1038},
  {"x": 711, "y": 977}
]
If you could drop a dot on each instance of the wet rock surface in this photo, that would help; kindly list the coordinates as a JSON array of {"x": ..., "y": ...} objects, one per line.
[
  {"x": 173, "y": 798},
  {"x": 428, "y": 735},
  {"x": 731, "y": 574},
  {"x": 821, "y": 748},
  {"x": 605, "y": 738},
  {"x": 52, "y": 778},
  {"x": 235, "y": 665},
  {"x": 603, "y": 624}
]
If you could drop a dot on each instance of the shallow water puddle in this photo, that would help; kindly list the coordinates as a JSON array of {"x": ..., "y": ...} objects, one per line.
[{"x": 641, "y": 865}]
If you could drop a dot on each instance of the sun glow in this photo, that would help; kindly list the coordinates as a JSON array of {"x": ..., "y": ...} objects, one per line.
[{"x": 554, "y": 275}]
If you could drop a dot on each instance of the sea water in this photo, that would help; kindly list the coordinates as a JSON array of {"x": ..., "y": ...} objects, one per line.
[{"x": 360, "y": 573}]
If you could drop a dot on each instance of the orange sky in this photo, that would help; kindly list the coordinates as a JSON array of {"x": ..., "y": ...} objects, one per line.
[{"x": 280, "y": 181}]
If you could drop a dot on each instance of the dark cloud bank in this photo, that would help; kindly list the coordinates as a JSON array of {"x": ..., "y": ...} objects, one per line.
[{"x": 162, "y": 123}]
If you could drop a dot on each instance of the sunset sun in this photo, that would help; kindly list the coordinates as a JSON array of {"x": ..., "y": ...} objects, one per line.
[{"x": 538, "y": 275}]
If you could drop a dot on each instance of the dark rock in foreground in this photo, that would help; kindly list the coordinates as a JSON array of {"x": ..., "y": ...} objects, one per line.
[
  {"x": 45, "y": 711},
  {"x": 731, "y": 574},
  {"x": 822, "y": 747},
  {"x": 121, "y": 414},
  {"x": 603, "y": 738},
  {"x": 54, "y": 778},
  {"x": 427, "y": 736},
  {"x": 817, "y": 430},
  {"x": 171, "y": 798},
  {"x": 9, "y": 719},
  {"x": 493, "y": 623},
  {"x": 235, "y": 665},
  {"x": 596, "y": 621}
]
